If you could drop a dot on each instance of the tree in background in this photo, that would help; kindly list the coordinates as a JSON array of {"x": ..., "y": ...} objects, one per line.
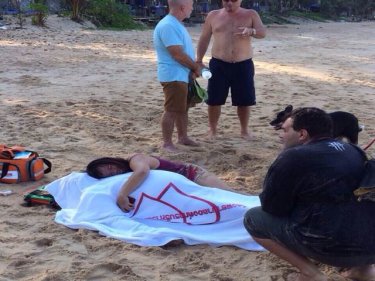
[
  {"x": 77, "y": 6},
  {"x": 40, "y": 13},
  {"x": 330, "y": 8},
  {"x": 357, "y": 9},
  {"x": 20, "y": 12}
]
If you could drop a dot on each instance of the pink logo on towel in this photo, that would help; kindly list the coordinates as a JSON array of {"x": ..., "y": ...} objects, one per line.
[{"x": 173, "y": 205}]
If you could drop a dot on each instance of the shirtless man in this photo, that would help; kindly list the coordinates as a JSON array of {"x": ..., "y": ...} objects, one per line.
[{"x": 231, "y": 65}]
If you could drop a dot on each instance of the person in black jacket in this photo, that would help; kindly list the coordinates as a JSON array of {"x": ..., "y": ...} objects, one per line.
[{"x": 308, "y": 209}]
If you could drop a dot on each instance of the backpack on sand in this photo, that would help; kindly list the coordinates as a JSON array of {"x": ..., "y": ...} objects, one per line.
[{"x": 19, "y": 165}]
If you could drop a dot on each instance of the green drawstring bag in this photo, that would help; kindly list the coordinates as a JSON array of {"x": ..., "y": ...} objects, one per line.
[{"x": 196, "y": 94}]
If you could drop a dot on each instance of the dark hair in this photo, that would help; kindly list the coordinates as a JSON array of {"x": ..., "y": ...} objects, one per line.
[
  {"x": 314, "y": 120},
  {"x": 92, "y": 168}
]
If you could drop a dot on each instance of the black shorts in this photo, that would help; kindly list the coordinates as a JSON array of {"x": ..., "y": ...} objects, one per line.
[
  {"x": 266, "y": 226},
  {"x": 238, "y": 76}
]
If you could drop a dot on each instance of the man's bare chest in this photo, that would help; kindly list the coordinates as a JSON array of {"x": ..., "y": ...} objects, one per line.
[{"x": 230, "y": 26}]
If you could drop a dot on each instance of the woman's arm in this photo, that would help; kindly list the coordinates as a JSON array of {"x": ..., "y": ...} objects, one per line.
[{"x": 140, "y": 165}]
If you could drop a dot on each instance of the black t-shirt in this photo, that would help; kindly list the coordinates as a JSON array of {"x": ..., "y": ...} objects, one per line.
[{"x": 313, "y": 185}]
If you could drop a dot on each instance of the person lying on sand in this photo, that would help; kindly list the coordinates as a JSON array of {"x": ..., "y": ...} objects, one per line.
[{"x": 140, "y": 165}]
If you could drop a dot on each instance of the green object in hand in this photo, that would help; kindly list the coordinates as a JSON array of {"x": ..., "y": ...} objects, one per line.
[{"x": 196, "y": 93}]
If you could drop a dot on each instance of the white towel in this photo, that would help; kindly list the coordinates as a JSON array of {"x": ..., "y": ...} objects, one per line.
[{"x": 168, "y": 207}]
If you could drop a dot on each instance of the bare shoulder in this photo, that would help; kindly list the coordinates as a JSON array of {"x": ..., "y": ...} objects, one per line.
[
  {"x": 214, "y": 13},
  {"x": 137, "y": 157},
  {"x": 143, "y": 160},
  {"x": 249, "y": 12}
]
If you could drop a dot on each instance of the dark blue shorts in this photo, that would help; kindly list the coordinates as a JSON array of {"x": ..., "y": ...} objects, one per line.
[{"x": 238, "y": 76}]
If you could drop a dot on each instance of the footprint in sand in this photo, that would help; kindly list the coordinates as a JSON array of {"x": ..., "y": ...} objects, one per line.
[
  {"x": 102, "y": 271},
  {"x": 44, "y": 242}
]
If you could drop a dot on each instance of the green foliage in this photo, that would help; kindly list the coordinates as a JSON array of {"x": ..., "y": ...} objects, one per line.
[
  {"x": 333, "y": 9},
  {"x": 40, "y": 13},
  {"x": 110, "y": 14},
  {"x": 273, "y": 18},
  {"x": 308, "y": 15},
  {"x": 64, "y": 13}
]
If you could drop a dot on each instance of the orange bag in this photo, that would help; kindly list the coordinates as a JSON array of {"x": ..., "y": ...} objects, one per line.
[{"x": 19, "y": 165}]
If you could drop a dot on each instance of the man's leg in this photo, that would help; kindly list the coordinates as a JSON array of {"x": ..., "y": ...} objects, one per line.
[
  {"x": 243, "y": 93},
  {"x": 262, "y": 226},
  {"x": 243, "y": 113},
  {"x": 308, "y": 270},
  {"x": 182, "y": 120},
  {"x": 214, "y": 112},
  {"x": 361, "y": 273},
  {"x": 167, "y": 126},
  {"x": 175, "y": 113}
]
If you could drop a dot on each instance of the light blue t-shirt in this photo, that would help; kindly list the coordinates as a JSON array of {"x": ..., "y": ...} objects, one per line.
[{"x": 170, "y": 32}]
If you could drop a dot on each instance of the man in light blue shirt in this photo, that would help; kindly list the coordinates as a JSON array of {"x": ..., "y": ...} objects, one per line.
[{"x": 176, "y": 61}]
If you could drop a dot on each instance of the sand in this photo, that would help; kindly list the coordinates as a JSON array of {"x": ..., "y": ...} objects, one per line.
[{"x": 74, "y": 93}]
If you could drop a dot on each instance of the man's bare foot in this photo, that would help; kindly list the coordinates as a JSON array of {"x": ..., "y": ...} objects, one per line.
[
  {"x": 211, "y": 136},
  {"x": 170, "y": 148},
  {"x": 361, "y": 273},
  {"x": 188, "y": 142},
  {"x": 302, "y": 277},
  {"x": 247, "y": 136}
]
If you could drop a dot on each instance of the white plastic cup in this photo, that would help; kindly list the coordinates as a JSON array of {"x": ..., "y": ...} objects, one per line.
[
  {"x": 206, "y": 73},
  {"x": 6, "y": 192}
]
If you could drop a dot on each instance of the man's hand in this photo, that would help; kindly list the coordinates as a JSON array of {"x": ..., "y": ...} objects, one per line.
[
  {"x": 124, "y": 203},
  {"x": 245, "y": 31},
  {"x": 201, "y": 65},
  {"x": 196, "y": 72}
]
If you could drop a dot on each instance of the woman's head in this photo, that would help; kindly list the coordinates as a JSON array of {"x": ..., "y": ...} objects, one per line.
[{"x": 107, "y": 167}]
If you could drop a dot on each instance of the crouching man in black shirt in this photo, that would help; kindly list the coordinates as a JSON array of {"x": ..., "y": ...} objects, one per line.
[{"x": 308, "y": 209}]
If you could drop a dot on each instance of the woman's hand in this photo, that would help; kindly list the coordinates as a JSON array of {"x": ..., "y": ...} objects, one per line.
[
  {"x": 140, "y": 165},
  {"x": 123, "y": 202}
]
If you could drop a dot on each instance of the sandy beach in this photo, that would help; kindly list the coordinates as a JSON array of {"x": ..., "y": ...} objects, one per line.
[{"x": 74, "y": 93}]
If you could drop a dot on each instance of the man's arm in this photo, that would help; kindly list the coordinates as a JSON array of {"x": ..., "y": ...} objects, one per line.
[
  {"x": 181, "y": 57},
  {"x": 204, "y": 39},
  {"x": 260, "y": 29},
  {"x": 279, "y": 187}
]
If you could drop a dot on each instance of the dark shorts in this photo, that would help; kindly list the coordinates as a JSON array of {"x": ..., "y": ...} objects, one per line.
[
  {"x": 265, "y": 226},
  {"x": 175, "y": 96},
  {"x": 238, "y": 76}
]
